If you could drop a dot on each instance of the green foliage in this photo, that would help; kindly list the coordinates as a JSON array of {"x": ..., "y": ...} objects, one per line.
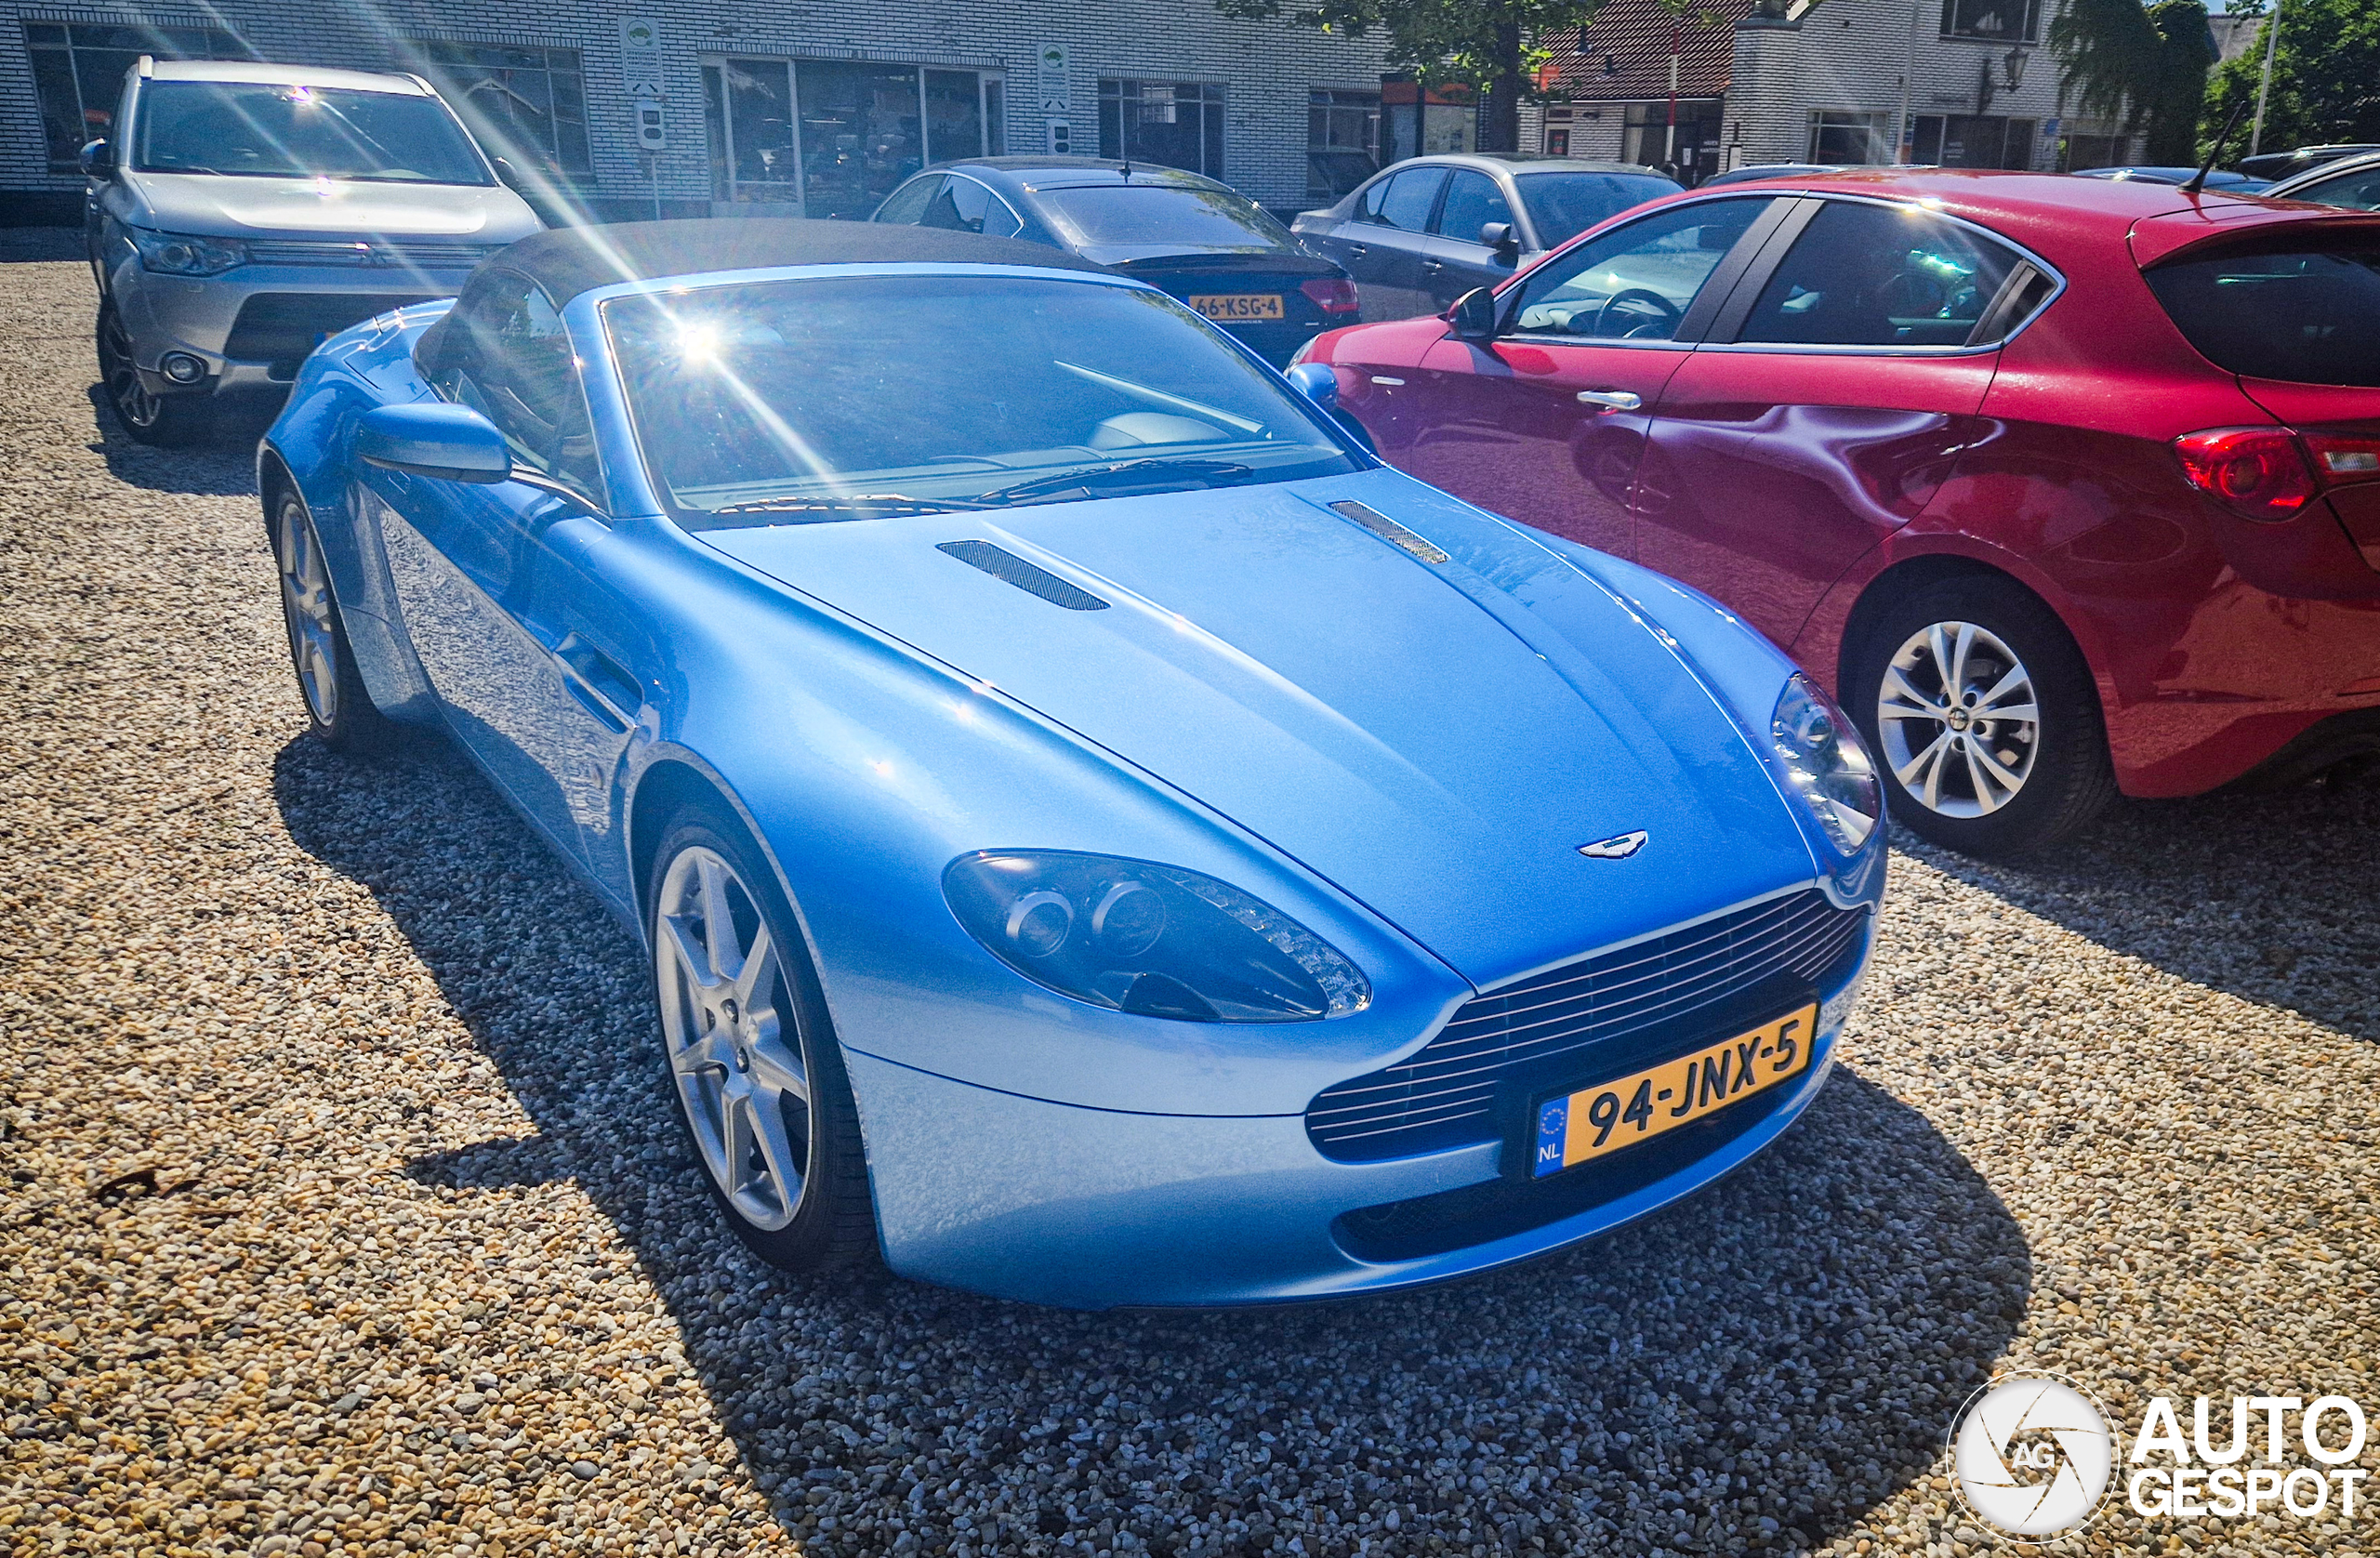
[
  {"x": 2325, "y": 78},
  {"x": 2144, "y": 67}
]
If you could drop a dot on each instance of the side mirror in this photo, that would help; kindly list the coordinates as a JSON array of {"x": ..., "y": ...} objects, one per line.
[
  {"x": 1474, "y": 315},
  {"x": 505, "y": 174},
  {"x": 1500, "y": 237},
  {"x": 428, "y": 438},
  {"x": 1317, "y": 383},
  {"x": 97, "y": 160}
]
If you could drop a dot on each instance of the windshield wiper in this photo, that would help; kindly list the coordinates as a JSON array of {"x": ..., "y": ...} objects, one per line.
[
  {"x": 1131, "y": 474},
  {"x": 873, "y": 503}
]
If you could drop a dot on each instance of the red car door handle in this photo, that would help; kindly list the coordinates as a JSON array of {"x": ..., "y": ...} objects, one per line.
[{"x": 1612, "y": 399}]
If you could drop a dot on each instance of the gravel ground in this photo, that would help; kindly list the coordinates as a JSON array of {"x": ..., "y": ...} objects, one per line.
[{"x": 344, "y": 1212}]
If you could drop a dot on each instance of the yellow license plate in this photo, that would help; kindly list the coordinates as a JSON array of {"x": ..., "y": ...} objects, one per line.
[
  {"x": 1232, "y": 306},
  {"x": 1594, "y": 1122}
]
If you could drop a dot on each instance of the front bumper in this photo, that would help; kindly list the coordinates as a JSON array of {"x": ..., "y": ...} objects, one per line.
[
  {"x": 254, "y": 324},
  {"x": 1091, "y": 1209}
]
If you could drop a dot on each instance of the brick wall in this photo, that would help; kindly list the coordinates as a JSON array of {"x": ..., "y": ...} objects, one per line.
[{"x": 1266, "y": 68}]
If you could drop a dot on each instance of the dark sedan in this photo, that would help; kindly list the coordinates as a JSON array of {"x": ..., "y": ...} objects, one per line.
[
  {"x": 1202, "y": 241},
  {"x": 1421, "y": 234}
]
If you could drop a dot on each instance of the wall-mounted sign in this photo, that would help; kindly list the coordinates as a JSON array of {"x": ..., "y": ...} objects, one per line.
[
  {"x": 641, "y": 56},
  {"x": 1061, "y": 138},
  {"x": 1053, "y": 79}
]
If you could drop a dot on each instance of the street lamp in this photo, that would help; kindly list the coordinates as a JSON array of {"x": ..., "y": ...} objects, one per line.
[{"x": 2011, "y": 64}]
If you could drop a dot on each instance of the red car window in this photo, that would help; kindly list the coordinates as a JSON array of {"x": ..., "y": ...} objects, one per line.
[
  {"x": 2286, "y": 309},
  {"x": 1635, "y": 283},
  {"x": 1880, "y": 275}
]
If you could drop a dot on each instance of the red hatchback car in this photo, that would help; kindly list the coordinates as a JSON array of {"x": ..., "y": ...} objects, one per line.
[{"x": 2069, "y": 486}]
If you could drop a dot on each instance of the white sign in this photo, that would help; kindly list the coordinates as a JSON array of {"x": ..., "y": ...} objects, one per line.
[
  {"x": 651, "y": 134},
  {"x": 1061, "y": 138},
  {"x": 641, "y": 56},
  {"x": 1053, "y": 79}
]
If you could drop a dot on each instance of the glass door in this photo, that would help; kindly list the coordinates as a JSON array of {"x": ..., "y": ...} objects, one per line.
[{"x": 755, "y": 150}]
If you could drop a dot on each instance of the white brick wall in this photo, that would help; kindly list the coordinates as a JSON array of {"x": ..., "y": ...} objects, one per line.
[{"x": 1266, "y": 68}]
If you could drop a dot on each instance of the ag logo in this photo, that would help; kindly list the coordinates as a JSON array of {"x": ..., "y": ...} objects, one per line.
[{"x": 2033, "y": 1454}]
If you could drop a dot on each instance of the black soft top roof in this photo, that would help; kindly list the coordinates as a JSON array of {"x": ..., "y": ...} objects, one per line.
[{"x": 568, "y": 261}]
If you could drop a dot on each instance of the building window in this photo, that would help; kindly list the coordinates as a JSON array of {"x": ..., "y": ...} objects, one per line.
[
  {"x": 1975, "y": 141},
  {"x": 528, "y": 105},
  {"x": 1689, "y": 151},
  {"x": 79, "y": 68},
  {"x": 832, "y": 138},
  {"x": 1998, "y": 21},
  {"x": 1850, "y": 138},
  {"x": 2076, "y": 152},
  {"x": 1342, "y": 142},
  {"x": 1170, "y": 123}
]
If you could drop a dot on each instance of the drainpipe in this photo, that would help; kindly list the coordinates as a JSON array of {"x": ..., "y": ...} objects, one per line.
[
  {"x": 2263, "y": 87},
  {"x": 1905, "y": 133},
  {"x": 1669, "y": 143}
]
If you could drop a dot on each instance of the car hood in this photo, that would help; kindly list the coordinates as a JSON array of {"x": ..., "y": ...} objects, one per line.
[
  {"x": 1421, "y": 736},
  {"x": 219, "y": 205}
]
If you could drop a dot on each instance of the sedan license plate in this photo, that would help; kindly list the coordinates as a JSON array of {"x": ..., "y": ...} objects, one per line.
[
  {"x": 1594, "y": 1122},
  {"x": 1228, "y": 307}
]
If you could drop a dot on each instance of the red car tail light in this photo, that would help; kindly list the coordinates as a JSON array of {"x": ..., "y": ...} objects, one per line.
[
  {"x": 2258, "y": 473},
  {"x": 1333, "y": 295}
]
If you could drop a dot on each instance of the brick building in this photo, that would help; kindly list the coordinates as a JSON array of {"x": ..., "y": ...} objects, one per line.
[
  {"x": 1761, "y": 83},
  {"x": 816, "y": 106}
]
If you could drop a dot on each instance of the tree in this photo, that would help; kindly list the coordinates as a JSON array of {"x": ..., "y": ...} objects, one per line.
[
  {"x": 2325, "y": 77},
  {"x": 2144, "y": 67},
  {"x": 1491, "y": 43}
]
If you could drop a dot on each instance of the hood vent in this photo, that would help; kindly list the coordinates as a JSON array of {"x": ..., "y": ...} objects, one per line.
[
  {"x": 1388, "y": 529},
  {"x": 1013, "y": 569}
]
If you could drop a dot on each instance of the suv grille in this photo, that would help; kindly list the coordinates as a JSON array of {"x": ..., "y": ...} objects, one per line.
[
  {"x": 1447, "y": 1094},
  {"x": 282, "y": 327},
  {"x": 382, "y": 252}
]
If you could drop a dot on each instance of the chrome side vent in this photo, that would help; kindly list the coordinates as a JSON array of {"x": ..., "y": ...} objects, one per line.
[
  {"x": 1388, "y": 529},
  {"x": 1009, "y": 568}
]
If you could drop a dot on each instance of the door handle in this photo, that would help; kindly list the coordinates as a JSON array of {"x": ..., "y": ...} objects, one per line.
[
  {"x": 1612, "y": 399},
  {"x": 1433, "y": 265},
  {"x": 1357, "y": 251},
  {"x": 598, "y": 682}
]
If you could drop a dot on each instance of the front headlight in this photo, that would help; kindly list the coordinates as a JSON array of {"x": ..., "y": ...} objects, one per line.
[
  {"x": 183, "y": 253},
  {"x": 1827, "y": 763},
  {"x": 1153, "y": 940}
]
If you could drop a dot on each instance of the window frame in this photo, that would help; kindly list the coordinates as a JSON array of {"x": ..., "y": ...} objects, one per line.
[
  {"x": 1733, "y": 313},
  {"x": 496, "y": 140},
  {"x": 1214, "y": 123},
  {"x": 455, "y": 342},
  {"x": 1744, "y": 257},
  {"x": 2028, "y": 31},
  {"x": 160, "y": 41}
]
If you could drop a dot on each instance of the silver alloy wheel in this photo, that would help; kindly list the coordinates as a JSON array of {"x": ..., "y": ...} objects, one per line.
[
  {"x": 306, "y": 600},
  {"x": 1959, "y": 724},
  {"x": 125, "y": 392},
  {"x": 734, "y": 1044}
]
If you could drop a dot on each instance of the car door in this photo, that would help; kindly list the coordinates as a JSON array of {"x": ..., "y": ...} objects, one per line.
[
  {"x": 486, "y": 576},
  {"x": 1829, "y": 406},
  {"x": 1382, "y": 248},
  {"x": 1547, "y": 423},
  {"x": 1455, "y": 261}
]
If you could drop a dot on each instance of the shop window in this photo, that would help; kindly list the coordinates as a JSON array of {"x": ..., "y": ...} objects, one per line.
[
  {"x": 1169, "y": 124},
  {"x": 1690, "y": 156},
  {"x": 835, "y": 137},
  {"x": 1975, "y": 141},
  {"x": 526, "y": 104},
  {"x": 1850, "y": 138},
  {"x": 1999, "y": 21},
  {"x": 79, "y": 70},
  {"x": 1342, "y": 142}
]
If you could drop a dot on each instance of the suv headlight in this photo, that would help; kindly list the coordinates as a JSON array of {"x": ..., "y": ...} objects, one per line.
[
  {"x": 183, "y": 253},
  {"x": 1826, "y": 763},
  {"x": 1153, "y": 940}
]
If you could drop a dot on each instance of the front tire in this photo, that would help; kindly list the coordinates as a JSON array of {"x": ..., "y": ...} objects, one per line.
[
  {"x": 339, "y": 708},
  {"x": 1983, "y": 717},
  {"x": 165, "y": 421},
  {"x": 749, "y": 1053}
]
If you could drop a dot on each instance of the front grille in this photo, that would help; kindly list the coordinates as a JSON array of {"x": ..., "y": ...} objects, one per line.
[
  {"x": 282, "y": 327},
  {"x": 1616, "y": 1003},
  {"x": 351, "y": 253}
]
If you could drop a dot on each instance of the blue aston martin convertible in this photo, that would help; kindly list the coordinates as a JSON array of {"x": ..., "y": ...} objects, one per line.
[{"x": 1101, "y": 838}]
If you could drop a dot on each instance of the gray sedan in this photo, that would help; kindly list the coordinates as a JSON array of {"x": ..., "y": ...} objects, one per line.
[
  {"x": 1421, "y": 234},
  {"x": 2351, "y": 182}
]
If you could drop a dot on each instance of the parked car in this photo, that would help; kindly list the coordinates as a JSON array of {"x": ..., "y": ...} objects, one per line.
[
  {"x": 243, "y": 212},
  {"x": 1095, "y": 830},
  {"x": 2277, "y": 165},
  {"x": 1185, "y": 234},
  {"x": 2216, "y": 179},
  {"x": 1759, "y": 171},
  {"x": 1430, "y": 229},
  {"x": 2351, "y": 182},
  {"x": 2066, "y": 488}
]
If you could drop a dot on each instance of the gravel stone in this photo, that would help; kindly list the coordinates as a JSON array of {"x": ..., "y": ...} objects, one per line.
[{"x": 343, "y": 1212}]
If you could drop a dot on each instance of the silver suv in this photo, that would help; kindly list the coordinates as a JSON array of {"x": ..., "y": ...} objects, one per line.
[{"x": 243, "y": 212}]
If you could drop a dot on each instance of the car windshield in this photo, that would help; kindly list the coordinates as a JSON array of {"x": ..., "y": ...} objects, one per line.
[
  {"x": 266, "y": 131},
  {"x": 2289, "y": 312},
  {"x": 841, "y": 398},
  {"x": 1102, "y": 215},
  {"x": 1564, "y": 204}
]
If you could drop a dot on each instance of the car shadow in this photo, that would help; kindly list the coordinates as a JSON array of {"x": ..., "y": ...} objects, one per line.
[
  {"x": 1789, "y": 1345},
  {"x": 2267, "y": 896},
  {"x": 224, "y": 466}
]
